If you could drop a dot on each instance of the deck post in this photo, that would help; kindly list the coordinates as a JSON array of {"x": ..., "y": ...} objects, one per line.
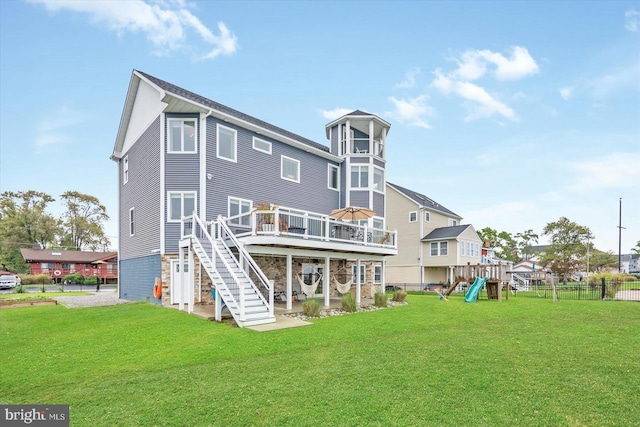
[
  {"x": 358, "y": 282},
  {"x": 289, "y": 281},
  {"x": 326, "y": 281}
]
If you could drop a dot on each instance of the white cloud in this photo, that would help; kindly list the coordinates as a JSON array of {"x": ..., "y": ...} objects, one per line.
[
  {"x": 53, "y": 129},
  {"x": 336, "y": 113},
  {"x": 165, "y": 24},
  {"x": 566, "y": 92},
  {"x": 473, "y": 64},
  {"x": 409, "y": 78},
  {"x": 487, "y": 105},
  {"x": 615, "y": 170},
  {"x": 632, "y": 20},
  {"x": 412, "y": 111},
  {"x": 620, "y": 80}
]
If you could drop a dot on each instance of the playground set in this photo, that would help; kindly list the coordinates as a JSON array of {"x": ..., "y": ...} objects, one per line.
[{"x": 493, "y": 276}]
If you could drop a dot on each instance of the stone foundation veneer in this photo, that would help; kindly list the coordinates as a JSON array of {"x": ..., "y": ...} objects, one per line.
[{"x": 275, "y": 268}]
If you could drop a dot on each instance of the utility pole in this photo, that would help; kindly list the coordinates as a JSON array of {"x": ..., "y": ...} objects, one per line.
[{"x": 620, "y": 227}]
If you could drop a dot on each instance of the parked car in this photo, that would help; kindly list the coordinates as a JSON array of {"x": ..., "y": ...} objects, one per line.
[{"x": 9, "y": 281}]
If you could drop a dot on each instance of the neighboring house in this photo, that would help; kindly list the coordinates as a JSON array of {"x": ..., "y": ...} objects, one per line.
[
  {"x": 244, "y": 205},
  {"x": 58, "y": 263},
  {"x": 431, "y": 241},
  {"x": 630, "y": 264}
]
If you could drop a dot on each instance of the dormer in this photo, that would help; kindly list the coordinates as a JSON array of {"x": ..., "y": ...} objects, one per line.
[{"x": 358, "y": 134}]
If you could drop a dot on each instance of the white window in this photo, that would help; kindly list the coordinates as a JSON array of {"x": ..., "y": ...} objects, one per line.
[
  {"x": 290, "y": 169},
  {"x": 377, "y": 274},
  {"x": 413, "y": 216},
  {"x": 427, "y": 217},
  {"x": 334, "y": 177},
  {"x": 239, "y": 207},
  {"x": 378, "y": 179},
  {"x": 132, "y": 228},
  {"x": 359, "y": 176},
  {"x": 362, "y": 273},
  {"x": 182, "y": 136},
  {"x": 181, "y": 204},
  {"x": 452, "y": 222},
  {"x": 439, "y": 248},
  {"x": 261, "y": 145},
  {"x": 227, "y": 146},
  {"x": 125, "y": 169},
  {"x": 470, "y": 248},
  {"x": 462, "y": 243}
]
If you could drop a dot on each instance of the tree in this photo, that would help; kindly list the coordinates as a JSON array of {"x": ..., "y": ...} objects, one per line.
[
  {"x": 568, "y": 246},
  {"x": 83, "y": 221},
  {"x": 602, "y": 261},
  {"x": 23, "y": 222},
  {"x": 502, "y": 243},
  {"x": 636, "y": 248},
  {"x": 524, "y": 241}
]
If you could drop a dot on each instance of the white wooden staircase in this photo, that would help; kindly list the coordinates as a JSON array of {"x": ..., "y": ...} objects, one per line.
[{"x": 237, "y": 279}]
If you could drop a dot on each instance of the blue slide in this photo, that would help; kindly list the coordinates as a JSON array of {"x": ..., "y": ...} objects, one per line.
[{"x": 474, "y": 290}]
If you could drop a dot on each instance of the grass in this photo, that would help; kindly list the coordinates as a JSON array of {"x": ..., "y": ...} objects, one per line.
[
  {"x": 525, "y": 362},
  {"x": 41, "y": 295}
]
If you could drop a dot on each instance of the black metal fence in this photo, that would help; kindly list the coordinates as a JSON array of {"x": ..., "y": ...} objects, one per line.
[{"x": 602, "y": 290}]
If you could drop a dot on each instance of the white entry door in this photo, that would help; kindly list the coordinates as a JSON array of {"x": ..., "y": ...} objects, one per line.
[{"x": 176, "y": 282}]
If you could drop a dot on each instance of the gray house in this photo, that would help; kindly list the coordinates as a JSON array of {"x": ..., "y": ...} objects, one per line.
[{"x": 212, "y": 199}]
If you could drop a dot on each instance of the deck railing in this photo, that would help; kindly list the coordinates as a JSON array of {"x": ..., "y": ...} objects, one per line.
[{"x": 298, "y": 224}]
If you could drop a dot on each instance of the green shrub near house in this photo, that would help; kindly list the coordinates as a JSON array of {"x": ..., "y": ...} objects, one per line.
[
  {"x": 380, "y": 299},
  {"x": 311, "y": 307},
  {"x": 75, "y": 278},
  {"x": 91, "y": 280},
  {"x": 349, "y": 303},
  {"x": 34, "y": 279},
  {"x": 399, "y": 296}
]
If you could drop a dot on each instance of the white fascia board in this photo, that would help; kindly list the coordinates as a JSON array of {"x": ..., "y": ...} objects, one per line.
[
  {"x": 337, "y": 247},
  {"x": 367, "y": 116},
  {"x": 309, "y": 253}
]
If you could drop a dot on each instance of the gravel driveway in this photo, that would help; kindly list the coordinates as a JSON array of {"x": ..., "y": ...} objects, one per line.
[{"x": 96, "y": 299}]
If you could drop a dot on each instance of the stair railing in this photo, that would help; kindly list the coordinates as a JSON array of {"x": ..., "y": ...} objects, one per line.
[
  {"x": 232, "y": 282},
  {"x": 246, "y": 262}
]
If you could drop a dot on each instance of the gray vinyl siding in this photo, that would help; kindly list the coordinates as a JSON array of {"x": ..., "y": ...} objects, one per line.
[
  {"x": 256, "y": 175},
  {"x": 142, "y": 193},
  {"x": 378, "y": 204},
  {"x": 360, "y": 198},
  {"x": 378, "y": 162},
  {"x": 360, "y": 160},
  {"x": 137, "y": 277},
  {"x": 182, "y": 174}
]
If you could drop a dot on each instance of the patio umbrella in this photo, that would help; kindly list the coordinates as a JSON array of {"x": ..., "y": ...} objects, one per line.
[{"x": 352, "y": 213}]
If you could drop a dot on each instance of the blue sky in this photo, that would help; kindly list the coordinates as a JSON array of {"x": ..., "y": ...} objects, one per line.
[{"x": 511, "y": 114}]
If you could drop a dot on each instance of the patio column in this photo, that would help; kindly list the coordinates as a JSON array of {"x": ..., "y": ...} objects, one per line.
[
  {"x": 326, "y": 281},
  {"x": 182, "y": 278},
  {"x": 383, "y": 274},
  {"x": 289, "y": 281},
  {"x": 190, "y": 285},
  {"x": 358, "y": 281}
]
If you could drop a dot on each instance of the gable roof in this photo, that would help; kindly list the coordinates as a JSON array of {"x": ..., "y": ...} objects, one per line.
[
  {"x": 445, "y": 232},
  {"x": 172, "y": 91},
  {"x": 46, "y": 255},
  {"x": 423, "y": 200}
]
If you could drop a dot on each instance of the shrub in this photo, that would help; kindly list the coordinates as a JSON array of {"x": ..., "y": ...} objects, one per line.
[
  {"x": 91, "y": 280},
  {"x": 74, "y": 278},
  {"x": 34, "y": 279},
  {"x": 399, "y": 296},
  {"x": 311, "y": 308},
  {"x": 380, "y": 300},
  {"x": 349, "y": 303}
]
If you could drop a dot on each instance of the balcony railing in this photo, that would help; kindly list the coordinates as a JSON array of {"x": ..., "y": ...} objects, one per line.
[
  {"x": 363, "y": 146},
  {"x": 286, "y": 222}
]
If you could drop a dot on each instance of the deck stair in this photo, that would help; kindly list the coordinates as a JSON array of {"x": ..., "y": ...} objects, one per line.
[{"x": 237, "y": 278}]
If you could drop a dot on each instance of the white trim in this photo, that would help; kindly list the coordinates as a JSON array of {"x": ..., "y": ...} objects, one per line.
[
  {"x": 240, "y": 201},
  {"x": 163, "y": 205},
  {"x": 416, "y": 214},
  {"x": 373, "y": 182},
  {"x": 182, "y": 120},
  {"x": 255, "y": 138},
  {"x": 330, "y": 167},
  {"x": 235, "y": 143},
  {"x": 369, "y": 178},
  {"x": 132, "y": 222},
  {"x": 203, "y": 164},
  {"x": 297, "y": 162},
  {"x": 182, "y": 212},
  {"x": 125, "y": 169},
  {"x": 427, "y": 214}
]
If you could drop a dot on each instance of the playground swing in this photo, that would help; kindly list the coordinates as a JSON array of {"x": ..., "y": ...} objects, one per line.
[
  {"x": 343, "y": 288},
  {"x": 308, "y": 290}
]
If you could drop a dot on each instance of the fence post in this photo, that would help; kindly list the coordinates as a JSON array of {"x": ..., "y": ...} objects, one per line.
[{"x": 604, "y": 287}]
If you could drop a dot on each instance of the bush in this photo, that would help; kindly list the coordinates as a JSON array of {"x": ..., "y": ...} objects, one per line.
[
  {"x": 34, "y": 279},
  {"x": 380, "y": 300},
  {"x": 74, "y": 278},
  {"x": 91, "y": 280},
  {"x": 349, "y": 303},
  {"x": 311, "y": 308},
  {"x": 399, "y": 296}
]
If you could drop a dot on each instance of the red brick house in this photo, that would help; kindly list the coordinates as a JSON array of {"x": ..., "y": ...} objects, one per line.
[{"x": 58, "y": 264}]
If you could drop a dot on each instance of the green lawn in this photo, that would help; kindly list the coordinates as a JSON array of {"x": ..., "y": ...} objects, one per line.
[
  {"x": 430, "y": 363},
  {"x": 41, "y": 295}
]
